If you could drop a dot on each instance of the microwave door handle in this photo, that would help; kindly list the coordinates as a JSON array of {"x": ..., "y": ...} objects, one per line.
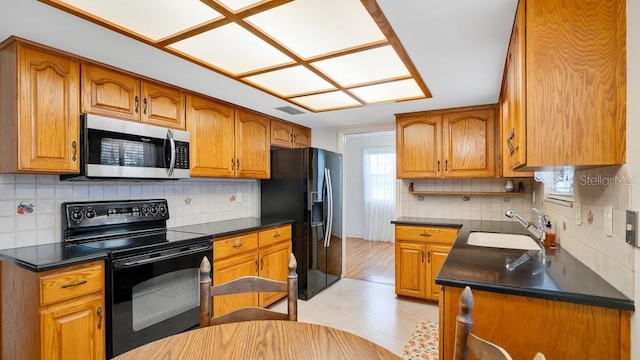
[{"x": 172, "y": 162}]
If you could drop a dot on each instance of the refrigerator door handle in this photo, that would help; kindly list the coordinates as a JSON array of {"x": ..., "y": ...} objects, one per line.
[
  {"x": 328, "y": 204},
  {"x": 330, "y": 201}
]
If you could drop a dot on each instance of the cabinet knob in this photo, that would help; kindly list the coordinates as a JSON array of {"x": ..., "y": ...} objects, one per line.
[
  {"x": 233, "y": 164},
  {"x": 446, "y": 165},
  {"x": 438, "y": 165},
  {"x": 144, "y": 111},
  {"x": 422, "y": 253},
  {"x": 261, "y": 264},
  {"x": 137, "y": 103},
  {"x": 238, "y": 164}
]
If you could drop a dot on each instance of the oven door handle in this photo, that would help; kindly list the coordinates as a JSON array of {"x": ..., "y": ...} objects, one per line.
[{"x": 121, "y": 264}]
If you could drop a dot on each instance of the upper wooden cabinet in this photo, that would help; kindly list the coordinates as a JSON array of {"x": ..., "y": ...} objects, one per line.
[
  {"x": 288, "y": 135},
  {"x": 226, "y": 142},
  {"x": 39, "y": 117},
  {"x": 253, "y": 156},
  {"x": 448, "y": 143},
  {"x": 113, "y": 93},
  {"x": 568, "y": 79}
]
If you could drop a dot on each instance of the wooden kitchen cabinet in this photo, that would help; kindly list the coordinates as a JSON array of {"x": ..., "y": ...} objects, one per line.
[
  {"x": 40, "y": 113},
  {"x": 114, "y": 93},
  {"x": 559, "y": 330},
  {"x": 287, "y": 135},
  {"x": 262, "y": 253},
  {"x": 253, "y": 155},
  {"x": 567, "y": 85},
  {"x": 453, "y": 143},
  {"x": 420, "y": 253},
  {"x": 55, "y": 314},
  {"x": 225, "y": 141}
]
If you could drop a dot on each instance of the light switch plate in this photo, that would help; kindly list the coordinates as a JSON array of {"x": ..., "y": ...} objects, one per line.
[
  {"x": 608, "y": 221},
  {"x": 578, "y": 213}
]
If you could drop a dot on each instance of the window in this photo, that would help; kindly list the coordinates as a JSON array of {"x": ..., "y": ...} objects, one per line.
[
  {"x": 558, "y": 185},
  {"x": 379, "y": 173}
]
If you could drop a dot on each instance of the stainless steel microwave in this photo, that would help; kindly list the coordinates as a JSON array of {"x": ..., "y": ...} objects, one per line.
[{"x": 120, "y": 149}]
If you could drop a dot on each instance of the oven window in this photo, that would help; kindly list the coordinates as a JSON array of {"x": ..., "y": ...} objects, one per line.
[{"x": 164, "y": 297}]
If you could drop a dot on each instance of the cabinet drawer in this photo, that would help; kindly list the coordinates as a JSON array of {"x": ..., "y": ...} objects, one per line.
[
  {"x": 234, "y": 245},
  {"x": 67, "y": 284},
  {"x": 439, "y": 235},
  {"x": 272, "y": 236}
]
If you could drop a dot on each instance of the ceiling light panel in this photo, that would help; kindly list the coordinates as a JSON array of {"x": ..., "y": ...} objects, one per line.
[
  {"x": 321, "y": 27},
  {"x": 326, "y": 101},
  {"x": 291, "y": 81},
  {"x": 153, "y": 19},
  {"x": 364, "y": 66},
  {"x": 232, "y": 49},
  {"x": 235, "y": 5},
  {"x": 395, "y": 90}
]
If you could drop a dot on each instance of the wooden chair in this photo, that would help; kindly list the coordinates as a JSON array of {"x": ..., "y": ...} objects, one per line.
[
  {"x": 466, "y": 342},
  {"x": 247, "y": 284}
]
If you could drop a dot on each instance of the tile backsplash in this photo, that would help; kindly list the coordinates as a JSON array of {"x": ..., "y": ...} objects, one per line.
[
  {"x": 608, "y": 256},
  {"x": 30, "y": 205},
  {"x": 472, "y": 207}
]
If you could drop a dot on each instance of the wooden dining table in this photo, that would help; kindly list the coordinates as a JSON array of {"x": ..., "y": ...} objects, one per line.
[{"x": 264, "y": 339}]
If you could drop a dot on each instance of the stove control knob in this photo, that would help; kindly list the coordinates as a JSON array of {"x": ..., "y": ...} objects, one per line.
[
  {"x": 154, "y": 210},
  {"x": 76, "y": 215},
  {"x": 145, "y": 210},
  {"x": 162, "y": 209},
  {"x": 90, "y": 214}
]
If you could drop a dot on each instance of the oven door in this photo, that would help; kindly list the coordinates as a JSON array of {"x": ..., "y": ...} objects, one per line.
[{"x": 154, "y": 295}]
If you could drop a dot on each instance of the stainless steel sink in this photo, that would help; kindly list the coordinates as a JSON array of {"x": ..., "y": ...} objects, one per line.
[{"x": 502, "y": 240}]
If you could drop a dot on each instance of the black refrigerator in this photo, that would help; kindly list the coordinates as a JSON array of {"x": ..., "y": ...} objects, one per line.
[{"x": 306, "y": 186}]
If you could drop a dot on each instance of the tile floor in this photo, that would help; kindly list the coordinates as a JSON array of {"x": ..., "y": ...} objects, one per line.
[{"x": 368, "y": 309}]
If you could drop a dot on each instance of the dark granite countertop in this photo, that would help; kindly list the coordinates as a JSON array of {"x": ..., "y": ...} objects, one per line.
[
  {"x": 231, "y": 227},
  {"x": 51, "y": 256},
  {"x": 564, "y": 277}
]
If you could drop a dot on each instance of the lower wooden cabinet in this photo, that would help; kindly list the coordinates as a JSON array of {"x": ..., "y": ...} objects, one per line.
[
  {"x": 420, "y": 253},
  {"x": 263, "y": 253},
  {"x": 55, "y": 314},
  {"x": 525, "y": 325}
]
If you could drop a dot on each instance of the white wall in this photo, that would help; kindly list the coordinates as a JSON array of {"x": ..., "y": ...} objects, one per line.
[
  {"x": 190, "y": 202},
  {"x": 354, "y": 191},
  {"x": 325, "y": 138},
  {"x": 633, "y": 145}
]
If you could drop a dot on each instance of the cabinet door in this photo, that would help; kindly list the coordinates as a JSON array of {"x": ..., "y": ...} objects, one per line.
[
  {"x": 74, "y": 331},
  {"x": 515, "y": 135},
  {"x": 110, "y": 92},
  {"x": 281, "y": 134},
  {"x": 162, "y": 105},
  {"x": 418, "y": 146},
  {"x": 49, "y": 117},
  {"x": 411, "y": 269},
  {"x": 225, "y": 270},
  {"x": 274, "y": 261},
  {"x": 252, "y": 145},
  {"x": 469, "y": 145},
  {"x": 211, "y": 137},
  {"x": 301, "y": 137},
  {"x": 436, "y": 255}
]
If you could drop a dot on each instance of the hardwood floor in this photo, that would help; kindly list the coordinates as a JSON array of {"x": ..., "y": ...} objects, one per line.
[{"x": 371, "y": 260}]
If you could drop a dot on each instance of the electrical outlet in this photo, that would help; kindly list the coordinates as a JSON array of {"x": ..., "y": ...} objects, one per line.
[
  {"x": 631, "y": 232},
  {"x": 608, "y": 221},
  {"x": 578, "y": 213}
]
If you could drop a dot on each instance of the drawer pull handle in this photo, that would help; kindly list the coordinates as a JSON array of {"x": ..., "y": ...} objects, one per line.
[
  {"x": 237, "y": 244},
  {"x": 81, "y": 282},
  {"x": 100, "y": 316},
  {"x": 425, "y": 234},
  {"x": 277, "y": 235}
]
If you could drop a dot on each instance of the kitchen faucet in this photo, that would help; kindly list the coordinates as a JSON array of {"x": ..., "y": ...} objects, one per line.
[{"x": 538, "y": 231}]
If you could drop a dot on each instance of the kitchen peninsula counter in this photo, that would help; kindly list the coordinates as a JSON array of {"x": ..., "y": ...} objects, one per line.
[{"x": 564, "y": 278}]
